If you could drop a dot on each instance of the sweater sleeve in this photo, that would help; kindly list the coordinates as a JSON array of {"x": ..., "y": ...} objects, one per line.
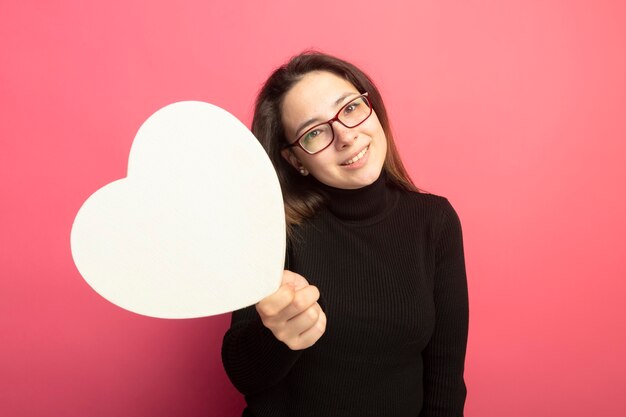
[
  {"x": 444, "y": 356},
  {"x": 253, "y": 358}
]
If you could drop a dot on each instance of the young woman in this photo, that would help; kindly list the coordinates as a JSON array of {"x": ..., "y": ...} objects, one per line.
[{"x": 372, "y": 316}]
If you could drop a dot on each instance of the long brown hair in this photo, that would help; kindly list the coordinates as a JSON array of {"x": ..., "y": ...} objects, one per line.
[{"x": 301, "y": 198}]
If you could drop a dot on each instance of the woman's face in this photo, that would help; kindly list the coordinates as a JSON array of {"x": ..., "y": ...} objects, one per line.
[{"x": 355, "y": 158}]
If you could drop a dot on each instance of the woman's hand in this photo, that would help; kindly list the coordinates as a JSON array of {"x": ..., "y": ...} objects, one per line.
[{"x": 292, "y": 312}]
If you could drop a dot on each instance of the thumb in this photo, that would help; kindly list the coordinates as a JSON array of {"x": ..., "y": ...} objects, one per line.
[{"x": 297, "y": 281}]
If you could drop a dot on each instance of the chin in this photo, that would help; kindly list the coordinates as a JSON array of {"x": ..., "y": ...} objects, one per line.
[{"x": 364, "y": 180}]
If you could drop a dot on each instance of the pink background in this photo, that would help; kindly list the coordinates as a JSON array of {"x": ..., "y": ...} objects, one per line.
[{"x": 514, "y": 110}]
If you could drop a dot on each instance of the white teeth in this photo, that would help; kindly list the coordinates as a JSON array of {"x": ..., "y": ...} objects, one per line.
[{"x": 356, "y": 158}]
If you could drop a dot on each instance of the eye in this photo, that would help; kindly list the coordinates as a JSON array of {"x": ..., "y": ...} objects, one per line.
[
  {"x": 309, "y": 136},
  {"x": 352, "y": 106}
]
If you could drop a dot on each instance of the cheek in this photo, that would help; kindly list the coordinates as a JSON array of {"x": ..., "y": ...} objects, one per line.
[
  {"x": 376, "y": 128},
  {"x": 318, "y": 164},
  {"x": 380, "y": 137},
  {"x": 382, "y": 145}
]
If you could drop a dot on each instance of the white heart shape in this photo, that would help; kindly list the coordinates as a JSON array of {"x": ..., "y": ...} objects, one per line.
[{"x": 197, "y": 228}]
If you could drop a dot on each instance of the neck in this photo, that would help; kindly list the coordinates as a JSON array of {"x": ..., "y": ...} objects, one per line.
[{"x": 359, "y": 204}]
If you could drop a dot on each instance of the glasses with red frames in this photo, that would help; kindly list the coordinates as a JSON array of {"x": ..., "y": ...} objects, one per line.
[{"x": 320, "y": 136}]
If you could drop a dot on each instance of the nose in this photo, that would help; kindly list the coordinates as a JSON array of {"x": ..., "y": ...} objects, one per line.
[{"x": 344, "y": 136}]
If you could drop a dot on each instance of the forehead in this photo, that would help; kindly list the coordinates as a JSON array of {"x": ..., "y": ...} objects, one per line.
[{"x": 314, "y": 97}]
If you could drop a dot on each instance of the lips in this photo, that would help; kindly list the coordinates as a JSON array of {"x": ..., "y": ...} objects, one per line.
[{"x": 356, "y": 157}]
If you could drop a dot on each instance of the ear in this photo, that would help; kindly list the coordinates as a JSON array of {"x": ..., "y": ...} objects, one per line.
[{"x": 289, "y": 156}]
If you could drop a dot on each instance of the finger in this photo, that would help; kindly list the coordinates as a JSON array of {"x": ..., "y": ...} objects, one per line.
[
  {"x": 302, "y": 300},
  {"x": 312, "y": 335},
  {"x": 294, "y": 279},
  {"x": 274, "y": 304},
  {"x": 304, "y": 321},
  {"x": 290, "y": 331}
]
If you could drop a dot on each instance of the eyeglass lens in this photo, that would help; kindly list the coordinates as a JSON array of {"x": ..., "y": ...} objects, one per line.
[{"x": 350, "y": 115}]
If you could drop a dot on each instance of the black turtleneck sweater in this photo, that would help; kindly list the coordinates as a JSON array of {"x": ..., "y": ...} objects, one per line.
[{"x": 389, "y": 266}]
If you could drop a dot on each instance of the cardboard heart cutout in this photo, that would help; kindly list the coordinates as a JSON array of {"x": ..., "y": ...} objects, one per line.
[{"x": 197, "y": 228}]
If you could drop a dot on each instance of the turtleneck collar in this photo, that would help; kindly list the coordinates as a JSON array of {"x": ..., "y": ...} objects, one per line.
[{"x": 363, "y": 204}]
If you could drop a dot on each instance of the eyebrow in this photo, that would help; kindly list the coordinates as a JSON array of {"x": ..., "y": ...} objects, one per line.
[{"x": 309, "y": 122}]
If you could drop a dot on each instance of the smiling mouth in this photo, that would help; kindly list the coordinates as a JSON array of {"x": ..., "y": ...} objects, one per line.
[{"x": 357, "y": 157}]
